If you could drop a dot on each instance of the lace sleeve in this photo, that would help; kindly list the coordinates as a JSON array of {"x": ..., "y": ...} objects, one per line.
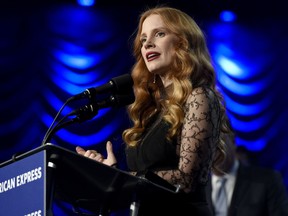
[{"x": 197, "y": 141}]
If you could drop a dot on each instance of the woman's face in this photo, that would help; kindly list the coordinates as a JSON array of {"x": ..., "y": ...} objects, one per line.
[{"x": 158, "y": 45}]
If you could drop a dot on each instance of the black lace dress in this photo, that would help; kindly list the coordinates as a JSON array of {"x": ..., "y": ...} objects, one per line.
[{"x": 185, "y": 161}]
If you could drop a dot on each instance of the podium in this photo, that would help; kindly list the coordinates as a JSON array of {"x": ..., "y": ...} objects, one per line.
[{"x": 31, "y": 182}]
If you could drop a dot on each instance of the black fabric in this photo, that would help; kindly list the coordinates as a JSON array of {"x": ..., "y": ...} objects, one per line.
[
  {"x": 151, "y": 156},
  {"x": 180, "y": 204},
  {"x": 189, "y": 168}
]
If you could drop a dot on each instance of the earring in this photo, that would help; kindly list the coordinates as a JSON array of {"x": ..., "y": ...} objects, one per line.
[{"x": 154, "y": 80}]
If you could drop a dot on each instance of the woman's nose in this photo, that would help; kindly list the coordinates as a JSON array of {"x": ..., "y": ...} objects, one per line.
[{"x": 149, "y": 44}]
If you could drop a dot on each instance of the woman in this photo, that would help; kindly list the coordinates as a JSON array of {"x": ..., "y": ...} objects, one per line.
[{"x": 177, "y": 114}]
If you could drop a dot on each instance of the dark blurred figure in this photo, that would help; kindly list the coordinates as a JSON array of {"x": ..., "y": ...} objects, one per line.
[
  {"x": 245, "y": 156},
  {"x": 248, "y": 190}
]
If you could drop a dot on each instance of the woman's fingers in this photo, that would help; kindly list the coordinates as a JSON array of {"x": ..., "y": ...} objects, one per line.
[
  {"x": 111, "y": 159},
  {"x": 80, "y": 150},
  {"x": 92, "y": 154},
  {"x": 88, "y": 153},
  {"x": 109, "y": 148},
  {"x": 95, "y": 156}
]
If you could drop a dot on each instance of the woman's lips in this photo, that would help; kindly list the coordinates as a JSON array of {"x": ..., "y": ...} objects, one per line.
[{"x": 150, "y": 56}]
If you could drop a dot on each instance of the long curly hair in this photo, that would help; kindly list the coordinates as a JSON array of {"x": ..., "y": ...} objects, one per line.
[{"x": 191, "y": 68}]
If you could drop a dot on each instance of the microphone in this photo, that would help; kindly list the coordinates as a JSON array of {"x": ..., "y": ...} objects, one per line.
[
  {"x": 120, "y": 85},
  {"x": 89, "y": 111}
]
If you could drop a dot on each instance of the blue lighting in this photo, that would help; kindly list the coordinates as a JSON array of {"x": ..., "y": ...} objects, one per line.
[
  {"x": 246, "y": 109},
  {"x": 77, "y": 60},
  {"x": 71, "y": 88},
  {"x": 255, "y": 125},
  {"x": 243, "y": 89},
  {"x": 228, "y": 16},
  {"x": 260, "y": 142},
  {"x": 239, "y": 65},
  {"x": 88, "y": 140},
  {"x": 55, "y": 101},
  {"x": 47, "y": 119},
  {"x": 253, "y": 145},
  {"x": 82, "y": 78},
  {"x": 245, "y": 83},
  {"x": 86, "y": 2},
  {"x": 229, "y": 66}
]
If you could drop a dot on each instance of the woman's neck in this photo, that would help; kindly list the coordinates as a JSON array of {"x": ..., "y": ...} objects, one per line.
[{"x": 166, "y": 81}]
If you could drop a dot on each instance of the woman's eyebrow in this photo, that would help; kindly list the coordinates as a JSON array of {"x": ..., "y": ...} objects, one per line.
[{"x": 155, "y": 30}]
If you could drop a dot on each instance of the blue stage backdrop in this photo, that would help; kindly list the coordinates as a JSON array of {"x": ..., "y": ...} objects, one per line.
[{"x": 48, "y": 54}]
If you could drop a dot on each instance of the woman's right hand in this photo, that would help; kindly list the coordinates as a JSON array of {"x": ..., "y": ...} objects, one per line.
[{"x": 110, "y": 160}]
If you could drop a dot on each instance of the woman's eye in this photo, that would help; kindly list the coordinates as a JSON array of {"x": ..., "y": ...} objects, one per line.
[
  {"x": 142, "y": 41},
  {"x": 160, "y": 34}
]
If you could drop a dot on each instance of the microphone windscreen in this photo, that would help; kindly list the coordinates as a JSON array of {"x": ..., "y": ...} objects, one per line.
[
  {"x": 124, "y": 100},
  {"x": 122, "y": 84}
]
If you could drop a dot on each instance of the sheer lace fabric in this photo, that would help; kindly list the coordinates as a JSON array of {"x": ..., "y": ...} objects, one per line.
[{"x": 187, "y": 160}]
